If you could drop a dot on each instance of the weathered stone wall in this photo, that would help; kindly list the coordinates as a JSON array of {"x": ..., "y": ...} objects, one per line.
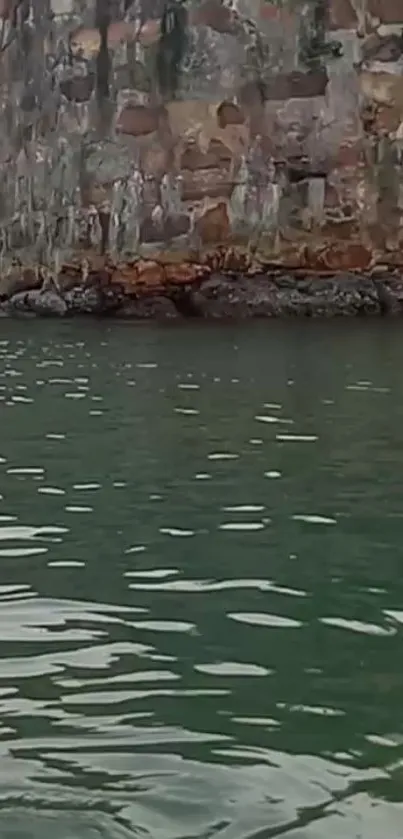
[{"x": 279, "y": 141}]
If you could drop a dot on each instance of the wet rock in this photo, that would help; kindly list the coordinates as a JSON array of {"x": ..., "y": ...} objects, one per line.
[
  {"x": 85, "y": 42},
  {"x": 37, "y": 302},
  {"x": 94, "y": 299},
  {"x": 224, "y": 297},
  {"x": 287, "y": 295},
  {"x": 390, "y": 294},
  {"x": 149, "y": 308}
]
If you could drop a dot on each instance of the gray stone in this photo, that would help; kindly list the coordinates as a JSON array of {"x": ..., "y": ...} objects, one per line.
[{"x": 38, "y": 302}]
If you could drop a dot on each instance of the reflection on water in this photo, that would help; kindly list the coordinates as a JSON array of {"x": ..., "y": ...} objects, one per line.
[{"x": 201, "y": 599}]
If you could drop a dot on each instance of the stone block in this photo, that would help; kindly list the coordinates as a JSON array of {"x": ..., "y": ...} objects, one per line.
[
  {"x": 196, "y": 120},
  {"x": 382, "y": 88},
  {"x": 138, "y": 120},
  {"x": 168, "y": 228},
  {"x": 342, "y": 14},
  {"x": 78, "y": 88},
  {"x": 85, "y": 42},
  {"x": 296, "y": 85},
  {"x": 201, "y": 183},
  {"x": 62, "y": 7},
  {"x": 216, "y": 155},
  {"x": 214, "y": 224},
  {"x": 106, "y": 162},
  {"x": 155, "y": 160},
  {"x": 215, "y": 14},
  {"x": 386, "y": 11},
  {"x": 228, "y": 113}
]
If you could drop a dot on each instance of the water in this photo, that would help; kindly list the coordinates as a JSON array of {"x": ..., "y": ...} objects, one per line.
[{"x": 201, "y": 581}]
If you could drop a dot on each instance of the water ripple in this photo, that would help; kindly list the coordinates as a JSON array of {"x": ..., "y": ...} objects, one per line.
[{"x": 150, "y": 685}]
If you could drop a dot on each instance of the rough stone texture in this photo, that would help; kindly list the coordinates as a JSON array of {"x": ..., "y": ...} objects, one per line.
[{"x": 279, "y": 144}]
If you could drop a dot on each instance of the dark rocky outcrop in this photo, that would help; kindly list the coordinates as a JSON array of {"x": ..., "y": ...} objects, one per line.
[{"x": 170, "y": 291}]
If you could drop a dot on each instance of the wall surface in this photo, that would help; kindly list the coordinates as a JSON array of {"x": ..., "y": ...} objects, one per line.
[{"x": 230, "y": 134}]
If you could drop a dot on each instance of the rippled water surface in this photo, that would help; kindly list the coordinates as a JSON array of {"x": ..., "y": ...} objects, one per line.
[{"x": 201, "y": 588}]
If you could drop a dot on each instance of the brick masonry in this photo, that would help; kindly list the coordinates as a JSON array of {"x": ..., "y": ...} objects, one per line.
[{"x": 283, "y": 138}]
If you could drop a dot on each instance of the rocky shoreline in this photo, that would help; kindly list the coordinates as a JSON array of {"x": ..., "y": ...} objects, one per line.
[{"x": 148, "y": 290}]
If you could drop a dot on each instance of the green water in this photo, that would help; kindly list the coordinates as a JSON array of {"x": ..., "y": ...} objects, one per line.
[{"x": 201, "y": 589}]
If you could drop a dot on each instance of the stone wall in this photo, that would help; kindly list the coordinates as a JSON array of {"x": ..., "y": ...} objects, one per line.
[{"x": 278, "y": 141}]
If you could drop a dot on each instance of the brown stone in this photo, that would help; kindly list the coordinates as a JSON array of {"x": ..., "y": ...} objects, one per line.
[
  {"x": 195, "y": 120},
  {"x": 5, "y": 8},
  {"x": 213, "y": 13},
  {"x": 341, "y": 256},
  {"x": 382, "y": 88},
  {"x": 184, "y": 273},
  {"x": 78, "y": 89},
  {"x": 86, "y": 42},
  {"x": 138, "y": 120},
  {"x": 342, "y": 15},
  {"x": 149, "y": 32},
  {"x": 232, "y": 260},
  {"x": 214, "y": 224},
  {"x": 169, "y": 228},
  {"x": 144, "y": 275},
  {"x": 212, "y": 183},
  {"x": 216, "y": 155},
  {"x": 155, "y": 160},
  {"x": 228, "y": 113},
  {"x": 382, "y": 48},
  {"x": 350, "y": 155},
  {"x": 269, "y": 11},
  {"x": 388, "y": 11},
  {"x": 149, "y": 274},
  {"x": 297, "y": 85},
  {"x": 386, "y": 120}
]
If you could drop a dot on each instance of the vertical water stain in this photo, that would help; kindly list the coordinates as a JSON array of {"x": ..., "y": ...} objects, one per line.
[
  {"x": 103, "y": 64},
  {"x": 171, "y": 47}
]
